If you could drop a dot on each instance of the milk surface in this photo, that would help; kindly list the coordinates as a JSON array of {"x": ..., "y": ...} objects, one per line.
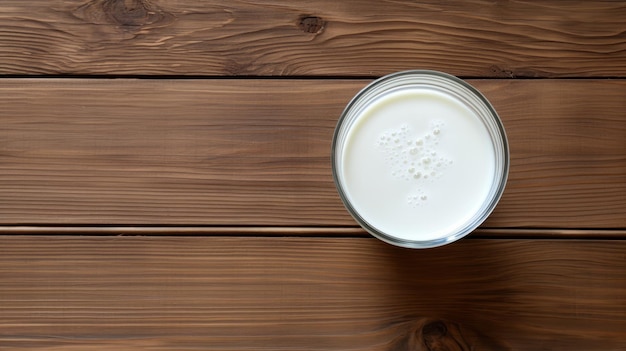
[{"x": 417, "y": 164}]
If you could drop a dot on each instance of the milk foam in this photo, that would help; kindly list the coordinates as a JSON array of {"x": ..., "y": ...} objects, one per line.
[
  {"x": 414, "y": 158},
  {"x": 418, "y": 164}
]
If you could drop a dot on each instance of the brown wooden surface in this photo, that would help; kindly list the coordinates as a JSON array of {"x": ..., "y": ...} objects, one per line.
[
  {"x": 256, "y": 152},
  {"x": 364, "y": 38},
  {"x": 84, "y": 293},
  {"x": 195, "y": 210}
]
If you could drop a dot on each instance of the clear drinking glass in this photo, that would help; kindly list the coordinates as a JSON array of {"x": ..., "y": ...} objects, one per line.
[{"x": 360, "y": 116}]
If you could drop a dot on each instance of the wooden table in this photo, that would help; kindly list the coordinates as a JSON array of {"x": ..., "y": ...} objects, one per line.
[{"x": 165, "y": 177}]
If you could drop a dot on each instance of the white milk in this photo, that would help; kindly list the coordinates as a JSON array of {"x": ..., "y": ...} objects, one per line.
[{"x": 417, "y": 164}]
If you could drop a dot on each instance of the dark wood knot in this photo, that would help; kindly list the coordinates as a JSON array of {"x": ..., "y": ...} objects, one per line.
[
  {"x": 434, "y": 334},
  {"x": 433, "y": 330},
  {"x": 311, "y": 24},
  {"x": 127, "y": 14}
]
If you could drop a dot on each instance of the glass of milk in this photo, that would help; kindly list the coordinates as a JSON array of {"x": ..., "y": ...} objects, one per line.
[{"x": 420, "y": 158}]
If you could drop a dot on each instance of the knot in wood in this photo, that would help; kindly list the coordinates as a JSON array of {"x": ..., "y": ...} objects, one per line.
[
  {"x": 311, "y": 24},
  {"x": 436, "y": 329},
  {"x": 434, "y": 334},
  {"x": 128, "y": 14}
]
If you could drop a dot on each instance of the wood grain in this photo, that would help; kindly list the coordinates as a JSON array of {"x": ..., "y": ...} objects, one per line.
[
  {"x": 256, "y": 152},
  {"x": 285, "y": 38},
  {"x": 161, "y": 293}
]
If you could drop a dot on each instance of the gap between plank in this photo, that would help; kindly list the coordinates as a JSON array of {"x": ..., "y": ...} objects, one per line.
[
  {"x": 333, "y": 232},
  {"x": 291, "y": 77}
]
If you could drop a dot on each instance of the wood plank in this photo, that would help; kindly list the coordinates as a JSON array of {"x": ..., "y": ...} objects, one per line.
[
  {"x": 469, "y": 38},
  {"x": 162, "y": 293},
  {"x": 256, "y": 152},
  {"x": 171, "y": 152}
]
